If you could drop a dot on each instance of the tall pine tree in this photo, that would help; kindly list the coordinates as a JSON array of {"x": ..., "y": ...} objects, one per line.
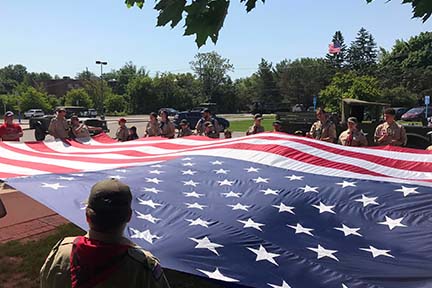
[
  {"x": 338, "y": 60},
  {"x": 362, "y": 55}
]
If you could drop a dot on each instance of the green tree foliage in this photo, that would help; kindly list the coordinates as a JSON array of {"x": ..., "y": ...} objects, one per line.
[
  {"x": 399, "y": 97},
  {"x": 338, "y": 60},
  {"x": 33, "y": 99},
  {"x": 421, "y": 8},
  {"x": 246, "y": 92},
  {"x": 97, "y": 90},
  {"x": 78, "y": 97},
  {"x": 362, "y": 54},
  {"x": 142, "y": 96},
  {"x": 212, "y": 70},
  {"x": 10, "y": 77},
  {"x": 268, "y": 91},
  {"x": 349, "y": 85},
  {"x": 301, "y": 79},
  {"x": 115, "y": 103},
  {"x": 119, "y": 79}
]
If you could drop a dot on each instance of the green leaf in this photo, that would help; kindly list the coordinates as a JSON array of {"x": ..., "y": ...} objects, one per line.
[
  {"x": 131, "y": 3},
  {"x": 250, "y": 4},
  {"x": 205, "y": 18},
  {"x": 421, "y": 8},
  {"x": 170, "y": 11}
]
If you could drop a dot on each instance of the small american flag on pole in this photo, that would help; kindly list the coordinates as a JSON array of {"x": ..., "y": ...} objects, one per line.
[
  {"x": 334, "y": 47},
  {"x": 269, "y": 210}
]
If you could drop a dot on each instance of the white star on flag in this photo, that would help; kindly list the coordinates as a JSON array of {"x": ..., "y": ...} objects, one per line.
[
  {"x": 349, "y": 231},
  {"x": 308, "y": 188},
  {"x": 367, "y": 200},
  {"x": 190, "y": 183},
  {"x": 284, "y": 285},
  {"x": 262, "y": 254},
  {"x": 239, "y": 206},
  {"x": 322, "y": 252},
  {"x": 151, "y": 190},
  {"x": 284, "y": 208},
  {"x": 147, "y": 217},
  {"x": 252, "y": 169},
  {"x": 118, "y": 177},
  {"x": 148, "y": 203},
  {"x": 153, "y": 180},
  {"x": 121, "y": 170},
  {"x": 186, "y": 159},
  {"x": 54, "y": 186},
  {"x": 269, "y": 191},
  {"x": 192, "y": 194},
  {"x": 300, "y": 229},
  {"x": 232, "y": 194},
  {"x": 324, "y": 208},
  {"x": 217, "y": 275},
  {"x": 261, "y": 180},
  {"x": 377, "y": 252},
  {"x": 205, "y": 243},
  {"x": 156, "y": 166},
  {"x": 198, "y": 222},
  {"x": 195, "y": 205},
  {"x": 221, "y": 171},
  {"x": 188, "y": 172},
  {"x": 225, "y": 182},
  {"x": 66, "y": 178},
  {"x": 393, "y": 223},
  {"x": 407, "y": 190},
  {"x": 345, "y": 184},
  {"x": 78, "y": 174},
  {"x": 294, "y": 177},
  {"x": 251, "y": 224},
  {"x": 158, "y": 172},
  {"x": 216, "y": 162},
  {"x": 188, "y": 164},
  {"x": 145, "y": 235}
]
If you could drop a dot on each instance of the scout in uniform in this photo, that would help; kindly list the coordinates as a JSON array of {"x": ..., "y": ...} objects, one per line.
[
  {"x": 210, "y": 131},
  {"x": 352, "y": 136},
  {"x": 390, "y": 132},
  {"x": 256, "y": 127},
  {"x": 103, "y": 257},
  {"x": 184, "y": 129},
  {"x": 323, "y": 129},
  {"x": 133, "y": 133},
  {"x": 59, "y": 127},
  {"x": 206, "y": 117},
  {"x": 166, "y": 127},
  {"x": 122, "y": 132},
  {"x": 277, "y": 126},
  {"x": 152, "y": 128},
  {"x": 81, "y": 130}
]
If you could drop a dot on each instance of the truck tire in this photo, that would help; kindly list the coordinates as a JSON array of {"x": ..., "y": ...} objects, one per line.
[{"x": 39, "y": 133}]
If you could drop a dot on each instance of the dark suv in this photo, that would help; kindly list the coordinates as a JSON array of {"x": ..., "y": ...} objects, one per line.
[{"x": 194, "y": 115}]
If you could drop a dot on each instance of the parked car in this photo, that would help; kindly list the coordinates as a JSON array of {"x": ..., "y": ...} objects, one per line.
[
  {"x": 92, "y": 112},
  {"x": 193, "y": 116},
  {"x": 171, "y": 111},
  {"x": 34, "y": 113},
  {"x": 400, "y": 111},
  {"x": 417, "y": 114}
]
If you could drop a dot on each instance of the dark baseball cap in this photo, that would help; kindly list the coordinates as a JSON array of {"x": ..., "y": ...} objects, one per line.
[
  {"x": 206, "y": 110},
  {"x": 277, "y": 122},
  {"x": 9, "y": 114},
  {"x": 110, "y": 195},
  {"x": 184, "y": 122},
  {"x": 352, "y": 120},
  {"x": 60, "y": 109}
]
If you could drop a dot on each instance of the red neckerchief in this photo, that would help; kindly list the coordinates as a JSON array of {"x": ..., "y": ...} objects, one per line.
[
  {"x": 349, "y": 139},
  {"x": 93, "y": 261}
]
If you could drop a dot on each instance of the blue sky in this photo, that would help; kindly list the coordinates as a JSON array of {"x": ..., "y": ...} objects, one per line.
[{"x": 65, "y": 37}]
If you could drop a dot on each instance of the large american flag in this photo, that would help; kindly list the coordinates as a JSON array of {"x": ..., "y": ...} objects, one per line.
[{"x": 269, "y": 210}]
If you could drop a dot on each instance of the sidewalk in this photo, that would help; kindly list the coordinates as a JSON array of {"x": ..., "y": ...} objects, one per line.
[{"x": 26, "y": 218}]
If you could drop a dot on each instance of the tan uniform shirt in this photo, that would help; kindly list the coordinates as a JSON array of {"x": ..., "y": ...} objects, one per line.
[
  {"x": 358, "y": 138},
  {"x": 59, "y": 128},
  {"x": 184, "y": 132},
  {"x": 322, "y": 131},
  {"x": 255, "y": 129},
  {"x": 396, "y": 135},
  {"x": 136, "y": 269},
  {"x": 152, "y": 129},
  {"x": 81, "y": 131},
  {"x": 122, "y": 134},
  {"x": 167, "y": 129},
  {"x": 200, "y": 128}
]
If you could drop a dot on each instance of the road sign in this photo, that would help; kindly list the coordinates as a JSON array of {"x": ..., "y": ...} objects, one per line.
[
  {"x": 427, "y": 100},
  {"x": 314, "y": 101}
]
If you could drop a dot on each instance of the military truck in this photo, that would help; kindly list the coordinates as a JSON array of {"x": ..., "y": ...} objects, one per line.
[
  {"x": 369, "y": 115},
  {"x": 41, "y": 124}
]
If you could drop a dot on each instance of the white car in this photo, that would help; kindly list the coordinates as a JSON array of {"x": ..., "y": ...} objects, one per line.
[{"x": 34, "y": 113}]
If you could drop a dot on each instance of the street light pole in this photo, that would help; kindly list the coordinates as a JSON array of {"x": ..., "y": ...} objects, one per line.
[{"x": 100, "y": 104}]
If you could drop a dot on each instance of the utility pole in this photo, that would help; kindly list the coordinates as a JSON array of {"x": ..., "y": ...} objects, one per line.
[{"x": 100, "y": 104}]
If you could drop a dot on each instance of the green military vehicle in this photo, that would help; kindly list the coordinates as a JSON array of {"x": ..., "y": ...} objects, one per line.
[
  {"x": 369, "y": 114},
  {"x": 41, "y": 124}
]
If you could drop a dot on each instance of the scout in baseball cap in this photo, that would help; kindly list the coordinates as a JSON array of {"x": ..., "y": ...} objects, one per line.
[
  {"x": 9, "y": 114},
  {"x": 109, "y": 205}
]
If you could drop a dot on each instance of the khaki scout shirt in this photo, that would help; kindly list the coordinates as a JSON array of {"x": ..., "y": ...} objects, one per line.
[
  {"x": 322, "y": 131},
  {"x": 396, "y": 134},
  {"x": 184, "y": 132},
  {"x": 152, "y": 129},
  {"x": 200, "y": 128},
  {"x": 81, "y": 131},
  {"x": 167, "y": 129},
  {"x": 59, "y": 128},
  {"x": 138, "y": 268},
  {"x": 255, "y": 129},
  {"x": 358, "y": 138},
  {"x": 122, "y": 134}
]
